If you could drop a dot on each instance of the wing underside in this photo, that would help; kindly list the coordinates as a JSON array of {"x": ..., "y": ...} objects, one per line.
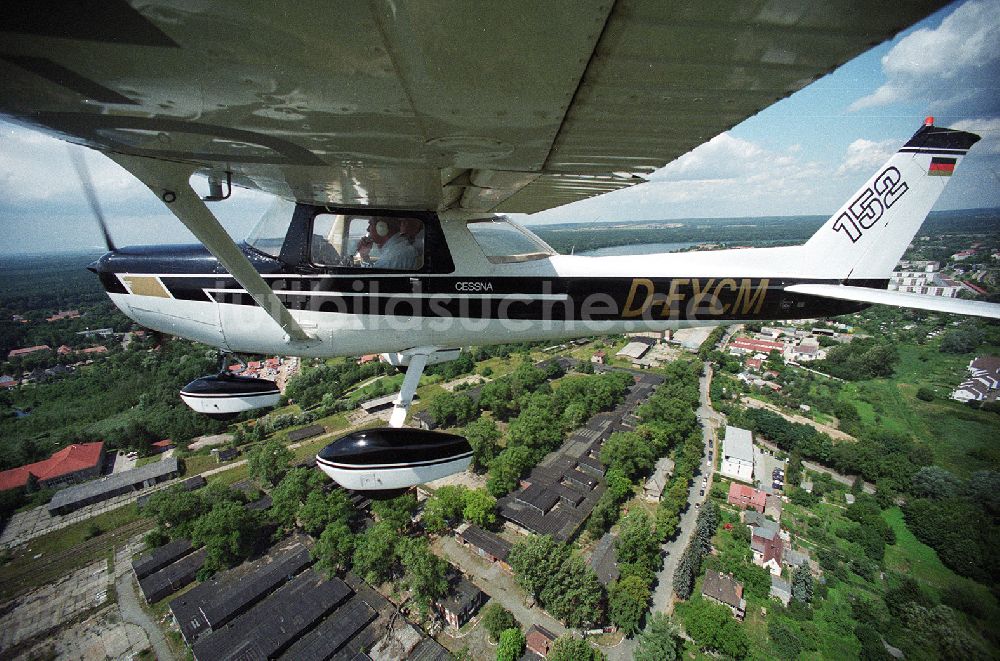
[
  {"x": 899, "y": 299},
  {"x": 507, "y": 106}
]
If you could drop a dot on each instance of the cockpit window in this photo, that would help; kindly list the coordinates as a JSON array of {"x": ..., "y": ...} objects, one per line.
[
  {"x": 380, "y": 242},
  {"x": 503, "y": 241},
  {"x": 269, "y": 233}
]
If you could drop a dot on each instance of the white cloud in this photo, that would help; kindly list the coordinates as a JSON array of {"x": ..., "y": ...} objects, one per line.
[
  {"x": 36, "y": 168},
  {"x": 954, "y": 68},
  {"x": 865, "y": 155}
]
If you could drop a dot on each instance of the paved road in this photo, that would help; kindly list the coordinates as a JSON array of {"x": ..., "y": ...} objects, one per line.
[
  {"x": 664, "y": 590},
  {"x": 128, "y": 603}
]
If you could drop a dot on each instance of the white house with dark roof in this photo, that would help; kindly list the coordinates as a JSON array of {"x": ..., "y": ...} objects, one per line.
[{"x": 983, "y": 383}]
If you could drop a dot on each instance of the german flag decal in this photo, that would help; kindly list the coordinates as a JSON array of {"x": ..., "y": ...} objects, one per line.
[{"x": 942, "y": 167}]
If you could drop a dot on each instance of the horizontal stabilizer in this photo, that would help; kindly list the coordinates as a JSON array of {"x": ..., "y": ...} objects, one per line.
[{"x": 900, "y": 299}]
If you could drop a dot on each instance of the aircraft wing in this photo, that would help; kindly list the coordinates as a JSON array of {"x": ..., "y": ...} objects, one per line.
[
  {"x": 900, "y": 299},
  {"x": 439, "y": 104}
]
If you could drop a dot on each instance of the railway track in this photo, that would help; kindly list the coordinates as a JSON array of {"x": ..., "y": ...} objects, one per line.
[{"x": 51, "y": 565}]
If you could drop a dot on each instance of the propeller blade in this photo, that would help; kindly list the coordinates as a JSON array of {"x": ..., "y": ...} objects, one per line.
[{"x": 88, "y": 189}]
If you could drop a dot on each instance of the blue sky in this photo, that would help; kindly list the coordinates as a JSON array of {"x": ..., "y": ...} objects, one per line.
[{"x": 803, "y": 155}]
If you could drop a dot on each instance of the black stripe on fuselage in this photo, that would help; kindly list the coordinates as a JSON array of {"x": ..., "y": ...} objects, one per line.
[{"x": 532, "y": 298}]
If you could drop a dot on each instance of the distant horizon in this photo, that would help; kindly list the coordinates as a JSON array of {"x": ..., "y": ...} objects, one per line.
[{"x": 96, "y": 251}]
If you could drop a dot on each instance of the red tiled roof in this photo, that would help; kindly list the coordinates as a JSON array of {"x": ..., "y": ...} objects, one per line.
[
  {"x": 764, "y": 346},
  {"x": 741, "y": 494},
  {"x": 97, "y": 349},
  {"x": 13, "y": 478},
  {"x": 23, "y": 352},
  {"x": 166, "y": 443},
  {"x": 70, "y": 459}
]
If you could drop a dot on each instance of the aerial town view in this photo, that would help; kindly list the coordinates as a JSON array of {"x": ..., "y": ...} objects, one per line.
[
  {"x": 385, "y": 331},
  {"x": 824, "y": 487}
]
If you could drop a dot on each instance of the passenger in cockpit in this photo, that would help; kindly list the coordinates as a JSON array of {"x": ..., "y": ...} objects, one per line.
[
  {"x": 395, "y": 249},
  {"x": 413, "y": 230}
]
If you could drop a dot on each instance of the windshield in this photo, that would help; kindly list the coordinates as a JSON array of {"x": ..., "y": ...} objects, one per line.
[
  {"x": 503, "y": 241},
  {"x": 269, "y": 234}
]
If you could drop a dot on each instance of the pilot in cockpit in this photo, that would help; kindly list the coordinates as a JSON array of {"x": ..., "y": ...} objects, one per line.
[{"x": 395, "y": 250}]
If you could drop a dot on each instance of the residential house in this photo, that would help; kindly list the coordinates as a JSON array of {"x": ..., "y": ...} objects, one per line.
[
  {"x": 983, "y": 383},
  {"x": 772, "y": 507},
  {"x": 737, "y": 454},
  {"x": 767, "y": 547},
  {"x": 744, "y": 497},
  {"x": 539, "y": 640},
  {"x": 781, "y": 590},
  {"x": 463, "y": 601},
  {"x": 793, "y": 558},
  {"x": 726, "y": 590},
  {"x": 485, "y": 544},
  {"x": 598, "y": 357}
]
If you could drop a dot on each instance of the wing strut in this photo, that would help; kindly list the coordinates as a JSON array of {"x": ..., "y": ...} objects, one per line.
[{"x": 169, "y": 181}]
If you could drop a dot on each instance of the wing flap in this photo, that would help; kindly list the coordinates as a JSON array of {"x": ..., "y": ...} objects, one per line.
[{"x": 900, "y": 299}]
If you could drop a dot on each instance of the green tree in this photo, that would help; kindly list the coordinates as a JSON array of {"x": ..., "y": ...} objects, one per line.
[
  {"x": 397, "y": 512},
  {"x": 425, "y": 572},
  {"x": 289, "y": 495},
  {"x": 934, "y": 482},
  {"x": 637, "y": 542},
  {"x": 713, "y": 627},
  {"x": 629, "y": 452},
  {"x": 628, "y": 601},
  {"x": 268, "y": 461},
  {"x": 443, "y": 509},
  {"x": 574, "y": 594},
  {"x": 176, "y": 510},
  {"x": 320, "y": 510},
  {"x": 802, "y": 585},
  {"x": 659, "y": 641},
  {"x": 228, "y": 532},
  {"x": 480, "y": 508},
  {"x": 375, "y": 552},
  {"x": 511, "y": 645},
  {"x": 497, "y": 619},
  {"x": 483, "y": 434},
  {"x": 334, "y": 548},
  {"x": 961, "y": 340},
  {"x": 570, "y": 648},
  {"x": 535, "y": 560},
  {"x": 506, "y": 469},
  {"x": 452, "y": 409}
]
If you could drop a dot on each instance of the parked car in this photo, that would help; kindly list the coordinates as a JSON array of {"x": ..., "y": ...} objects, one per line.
[{"x": 701, "y": 493}]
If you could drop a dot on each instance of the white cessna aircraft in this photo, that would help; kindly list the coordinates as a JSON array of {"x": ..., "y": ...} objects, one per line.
[{"x": 393, "y": 134}]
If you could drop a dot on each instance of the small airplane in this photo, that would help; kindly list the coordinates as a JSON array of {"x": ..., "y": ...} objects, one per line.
[{"x": 393, "y": 158}]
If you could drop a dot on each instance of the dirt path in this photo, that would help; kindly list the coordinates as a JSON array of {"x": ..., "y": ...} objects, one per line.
[
  {"x": 131, "y": 610},
  {"x": 832, "y": 432}
]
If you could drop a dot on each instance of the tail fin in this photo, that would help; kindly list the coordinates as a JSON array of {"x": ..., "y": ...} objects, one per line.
[{"x": 867, "y": 236}]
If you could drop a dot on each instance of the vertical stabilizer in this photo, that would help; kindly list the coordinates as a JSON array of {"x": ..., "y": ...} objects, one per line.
[{"x": 866, "y": 237}]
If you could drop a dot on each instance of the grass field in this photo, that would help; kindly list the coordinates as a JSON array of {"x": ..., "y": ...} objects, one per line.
[
  {"x": 910, "y": 557},
  {"x": 961, "y": 438}
]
